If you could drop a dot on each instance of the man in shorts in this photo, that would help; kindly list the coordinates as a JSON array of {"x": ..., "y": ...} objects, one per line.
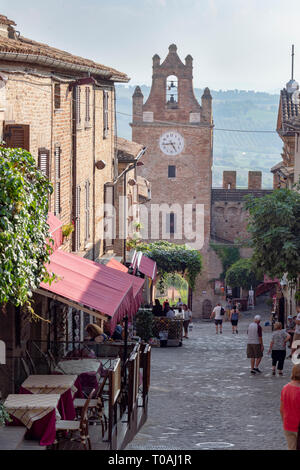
[
  {"x": 255, "y": 345},
  {"x": 216, "y": 314}
]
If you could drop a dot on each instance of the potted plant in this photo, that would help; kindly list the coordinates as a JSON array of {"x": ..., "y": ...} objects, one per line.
[
  {"x": 4, "y": 416},
  {"x": 67, "y": 229}
]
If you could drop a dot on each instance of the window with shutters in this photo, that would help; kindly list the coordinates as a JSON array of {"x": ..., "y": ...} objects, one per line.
[
  {"x": 105, "y": 114},
  {"x": 87, "y": 211},
  {"x": 57, "y": 96},
  {"x": 44, "y": 161},
  {"x": 87, "y": 105},
  {"x": 57, "y": 155},
  {"x": 16, "y": 136},
  {"x": 171, "y": 171},
  {"x": 78, "y": 116},
  {"x": 77, "y": 219}
]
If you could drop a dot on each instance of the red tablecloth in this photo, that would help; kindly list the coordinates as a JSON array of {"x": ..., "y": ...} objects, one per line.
[{"x": 43, "y": 429}]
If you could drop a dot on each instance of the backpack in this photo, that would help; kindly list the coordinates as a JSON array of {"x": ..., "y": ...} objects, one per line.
[{"x": 222, "y": 311}]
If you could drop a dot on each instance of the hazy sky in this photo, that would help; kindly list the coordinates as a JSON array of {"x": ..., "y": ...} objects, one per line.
[{"x": 244, "y": 44}]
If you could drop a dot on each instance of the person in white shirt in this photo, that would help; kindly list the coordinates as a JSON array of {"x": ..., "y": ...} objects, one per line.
[
  {"x": 187, "y": 318},
  {"x": 170, "y": 313},
  {"x": 216, "y": 314},
  {"x": 297, "y": 330}
]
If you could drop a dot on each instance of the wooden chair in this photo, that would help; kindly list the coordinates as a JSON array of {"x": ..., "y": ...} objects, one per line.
[
  {"x": 96, "y": 413},
  {"x": 25, "y": 367},
  {"x": 44, "y": 356},
  {"x": 81, "y": 427},
  {"x": 30, "y": 362}
]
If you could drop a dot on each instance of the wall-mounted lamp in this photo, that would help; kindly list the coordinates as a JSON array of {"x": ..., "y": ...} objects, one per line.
[{"x": 132, "y": 182}]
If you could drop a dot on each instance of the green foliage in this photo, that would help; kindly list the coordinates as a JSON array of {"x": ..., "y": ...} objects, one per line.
[
  {"x": 274, "y": 226},
  {"x": 143, "y": 322},
  {"x": 227, "y": 254},
  {"x": 171, "y": 258},
  {"x": 24, "y": 250},
  {"x": 242, "y": 274},
  {"x": 4, "y": 416}
]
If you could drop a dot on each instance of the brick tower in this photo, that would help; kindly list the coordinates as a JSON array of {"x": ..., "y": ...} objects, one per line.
[{"x": 178, "y": 134}]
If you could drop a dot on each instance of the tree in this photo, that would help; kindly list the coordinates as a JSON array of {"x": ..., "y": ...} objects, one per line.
[
  {"x": 242, "y": 274},
  {"x": 228, "y": 255},
  {"x": 171, "y": 258},
  {"x": 24, "y": 250},
  {"x": 274, "y": 226}
]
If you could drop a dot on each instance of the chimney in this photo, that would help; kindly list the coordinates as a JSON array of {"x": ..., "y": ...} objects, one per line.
[
  {"x": 6, "y": 27},
  {"x": 229, "y": 179},
  {"x": 206, "y": 105},
  {"x": 137, "y": 104},
  {"x": 254, "y": 179}
]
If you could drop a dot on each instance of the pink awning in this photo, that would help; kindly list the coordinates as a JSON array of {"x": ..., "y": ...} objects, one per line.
[
  {"x": 55, "y": 230},
  {"x": 94, "y": 285},
  {"x": 138, "y": 283},
  {"x": 113, "y": 263},
  {"x": 144, "y": 264}
]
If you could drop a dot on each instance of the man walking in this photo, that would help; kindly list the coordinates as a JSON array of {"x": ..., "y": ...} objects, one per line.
[
  {"x": 255, "y": 345},
  {"x": 218, "y": 314}
]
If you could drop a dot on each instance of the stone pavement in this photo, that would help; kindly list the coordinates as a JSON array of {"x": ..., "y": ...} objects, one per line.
[{"x": 203, "y": 396}]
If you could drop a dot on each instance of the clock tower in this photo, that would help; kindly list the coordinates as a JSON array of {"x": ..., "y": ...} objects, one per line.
[{"x": 178, "y": 134}]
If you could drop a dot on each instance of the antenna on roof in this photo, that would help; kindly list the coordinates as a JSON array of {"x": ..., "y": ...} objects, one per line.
[{"x": 293, "y": 53}]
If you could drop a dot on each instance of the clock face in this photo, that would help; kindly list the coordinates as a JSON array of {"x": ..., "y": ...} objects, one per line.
[{"x": 171, "y": 143}]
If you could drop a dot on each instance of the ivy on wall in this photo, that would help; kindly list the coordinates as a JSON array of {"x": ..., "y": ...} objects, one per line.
[
  {"x": 24, "y": 251},
  {"x": 228, "y": 255},
  {"x": 171, "y": 258}
]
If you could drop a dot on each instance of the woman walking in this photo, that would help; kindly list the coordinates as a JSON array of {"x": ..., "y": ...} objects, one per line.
[
  {"x": 186, "y": 319},
  {"x": 278, "y": 347},
  {"x": 234, "y": 318},
  {"x": 290, "y": 408}
]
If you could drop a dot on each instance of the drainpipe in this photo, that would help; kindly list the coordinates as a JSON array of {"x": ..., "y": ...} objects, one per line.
[
  {"x": 74, "y": 144},
  {"x": 94, "y": 174}
]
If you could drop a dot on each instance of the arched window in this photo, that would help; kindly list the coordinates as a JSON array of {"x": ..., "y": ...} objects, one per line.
[{"x": 172, "y": 90}]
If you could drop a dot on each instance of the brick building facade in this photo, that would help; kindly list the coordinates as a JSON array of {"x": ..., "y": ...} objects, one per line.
[{"x": 61, "y": 108}]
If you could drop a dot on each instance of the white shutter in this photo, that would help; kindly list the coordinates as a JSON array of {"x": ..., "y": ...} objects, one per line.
[
  {"x": 77, "y": 221},
  {"x": 78, "y": 117},
  {"x": 105, "y": 113},
  {"x": 57, "y": 180},
  {"x": 43, "y": 161},
  {"x": 87, "y": 210}
]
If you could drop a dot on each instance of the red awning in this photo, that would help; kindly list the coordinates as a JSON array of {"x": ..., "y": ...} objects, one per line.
[
  {"x": 138, "y": 283},
  {"x": 55, "y": 230},
  {"x": 144, "y": 264},
  {"x": 113, "y": 263},
  {"x": 94, "y": 285}
]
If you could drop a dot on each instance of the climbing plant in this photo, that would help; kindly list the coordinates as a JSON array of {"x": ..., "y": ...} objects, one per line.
[
  {"x": 242, "y": 273},
  {"x": 170, "y": 258},
  {"x": 24, "y": 250},
  {"x": 228, "y": 255}
]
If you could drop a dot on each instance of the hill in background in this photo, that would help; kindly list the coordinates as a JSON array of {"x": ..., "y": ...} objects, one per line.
[{"x": 232, "y": 109}]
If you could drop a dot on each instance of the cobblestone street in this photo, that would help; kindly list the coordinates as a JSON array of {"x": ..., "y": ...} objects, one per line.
[{"x": 203, "y": 396}]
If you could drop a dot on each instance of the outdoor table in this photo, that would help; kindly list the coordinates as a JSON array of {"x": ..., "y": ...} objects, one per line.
[
  {"x": 38, "y": 413},
  {"x": 64, "y": 385},
  {"x": 89, "y": 372}
]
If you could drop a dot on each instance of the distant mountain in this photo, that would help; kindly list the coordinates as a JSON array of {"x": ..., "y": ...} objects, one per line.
[{"x": 236, "y": 110}]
